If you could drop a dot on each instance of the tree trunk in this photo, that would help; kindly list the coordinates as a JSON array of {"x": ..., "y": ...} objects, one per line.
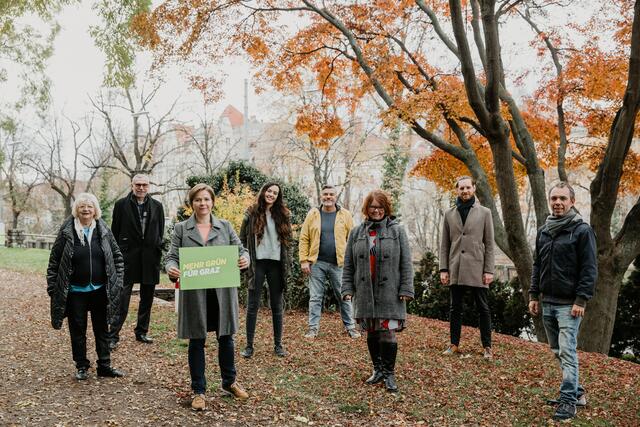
[
  {"x": 512, "y": 217},
  {"x": 14, "y": 220},
  {"x": 600, "y": 314}
]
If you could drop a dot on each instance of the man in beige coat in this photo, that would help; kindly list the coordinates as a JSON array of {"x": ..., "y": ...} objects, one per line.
[{"x": 467, "y": 260}]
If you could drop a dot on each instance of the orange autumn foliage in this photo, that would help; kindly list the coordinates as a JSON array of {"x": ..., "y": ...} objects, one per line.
[{"x": 398, "y": 52}]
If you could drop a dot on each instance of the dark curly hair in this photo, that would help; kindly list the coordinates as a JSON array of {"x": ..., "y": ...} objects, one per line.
[{"x": 279, "y": 212}]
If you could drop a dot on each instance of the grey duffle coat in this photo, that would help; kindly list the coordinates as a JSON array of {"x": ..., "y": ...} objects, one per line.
[
  {"x": 192, "y": 305},
  {"x": 467, "y": 251},
  {"x": 394, "y": 271}
]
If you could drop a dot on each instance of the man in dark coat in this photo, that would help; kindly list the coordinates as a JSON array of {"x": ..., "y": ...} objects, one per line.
[
  {"x": 564, "y": 276},
  {"x": 138, "y": 226}
]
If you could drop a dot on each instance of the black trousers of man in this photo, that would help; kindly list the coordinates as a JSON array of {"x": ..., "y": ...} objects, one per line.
[
  {"x": 144, "y": 310},
  {"x": 481, "y": 296}
]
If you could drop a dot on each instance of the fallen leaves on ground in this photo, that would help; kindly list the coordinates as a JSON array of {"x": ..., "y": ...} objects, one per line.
[{"x": 320, "y": 383}]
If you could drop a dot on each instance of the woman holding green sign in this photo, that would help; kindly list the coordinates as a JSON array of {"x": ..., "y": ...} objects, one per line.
[
  {"x": 266, "y": 231},
  {"x": 204, "y": 310}
]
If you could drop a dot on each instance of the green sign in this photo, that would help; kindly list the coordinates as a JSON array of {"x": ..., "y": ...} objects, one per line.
[{"x": 209, "y": 267}]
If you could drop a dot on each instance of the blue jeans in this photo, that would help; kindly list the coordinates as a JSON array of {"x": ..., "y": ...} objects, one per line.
[
  {"x": 320, "y": 272},
  {"x": 562, "y": 333}
]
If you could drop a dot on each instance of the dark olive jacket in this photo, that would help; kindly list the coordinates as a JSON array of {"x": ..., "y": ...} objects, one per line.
[{"x": 61, "y": 268}]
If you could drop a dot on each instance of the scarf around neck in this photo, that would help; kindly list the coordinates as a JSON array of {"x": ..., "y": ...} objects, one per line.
[
  {"x": 555, "y": 224},
  {"x": 79, "y": 228},
  {"x": 464, "y": 207}
]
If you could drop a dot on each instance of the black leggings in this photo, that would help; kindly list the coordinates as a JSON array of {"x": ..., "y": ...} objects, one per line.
[
  {"x": 382, "y": 336},
  {"x": 272, "y": 270}
]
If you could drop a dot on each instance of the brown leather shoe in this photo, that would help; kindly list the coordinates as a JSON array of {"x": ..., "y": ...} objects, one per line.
[
  {"x": 236, "y": 391},
  {"x": 198, "y": 403}
]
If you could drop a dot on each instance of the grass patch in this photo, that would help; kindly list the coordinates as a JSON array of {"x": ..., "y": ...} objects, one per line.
[
  {"x": 24, "y": 260},
  {"x": 357, "y": 408},
  {"x": 35, "y": 261}
]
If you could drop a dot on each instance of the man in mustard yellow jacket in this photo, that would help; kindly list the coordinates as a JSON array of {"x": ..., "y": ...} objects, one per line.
[{"x": 323, "y": 240}]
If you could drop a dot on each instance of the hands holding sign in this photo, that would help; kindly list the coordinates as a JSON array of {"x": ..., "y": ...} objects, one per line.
[{"x": 174, "y": 272}]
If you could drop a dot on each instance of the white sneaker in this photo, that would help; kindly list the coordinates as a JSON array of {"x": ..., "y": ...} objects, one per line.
[{"x": 353, "y": 333}]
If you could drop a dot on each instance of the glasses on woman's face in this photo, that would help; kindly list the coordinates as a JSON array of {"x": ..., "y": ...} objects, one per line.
[{"x": 373, "y": 208}]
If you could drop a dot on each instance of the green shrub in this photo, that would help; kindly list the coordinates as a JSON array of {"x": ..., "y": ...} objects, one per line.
[
  {"x": 245, "y": 173},
  {"x": 235, "y": 188},
  {"x": 509, "y": 314}
]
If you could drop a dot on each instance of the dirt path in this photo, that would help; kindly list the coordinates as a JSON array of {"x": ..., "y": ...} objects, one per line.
[{"x": 36, "y": 372}]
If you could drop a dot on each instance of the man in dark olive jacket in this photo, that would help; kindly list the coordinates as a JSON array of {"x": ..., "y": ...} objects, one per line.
[
  {"x": 138, "y": 226},
  {"x": 564, "y": 276}
]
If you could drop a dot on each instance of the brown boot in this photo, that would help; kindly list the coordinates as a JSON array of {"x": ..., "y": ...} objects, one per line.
[
  {"x": 198, "y": 403},
  {"x": 236, "y": 391}
]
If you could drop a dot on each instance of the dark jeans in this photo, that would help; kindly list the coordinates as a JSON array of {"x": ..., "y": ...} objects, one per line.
[
  {"x": 197, "y": 363},
  {"x": 482, "y": 305},
  {"x": 144, "y": 310},
  {"x": 78, "y": 305},
  {"x": 225, "y": 351},
  {"x": 272, "y": 270}
]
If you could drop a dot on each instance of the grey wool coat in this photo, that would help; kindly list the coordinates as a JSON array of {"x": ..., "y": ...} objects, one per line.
[
  {"x": 467, "y": 251},
  {"x": 394, "y": 271},
  {"x": 192, "y": 307}
]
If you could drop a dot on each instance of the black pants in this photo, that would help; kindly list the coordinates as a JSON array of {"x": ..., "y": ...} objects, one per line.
[
  {"x": 78, "y": 305},
  {"x": 225, "y": 351},
  {"x": 482, "y": 305},
  {"x": 144, "y": 310},
  {"x": 272, "y": 270}
]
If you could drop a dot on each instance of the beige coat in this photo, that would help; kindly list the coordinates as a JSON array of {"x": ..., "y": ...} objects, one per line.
[{"x": 467, "y": 251}]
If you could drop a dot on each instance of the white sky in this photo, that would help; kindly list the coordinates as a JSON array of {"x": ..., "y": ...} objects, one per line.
[{"x": 77, "y": 66}]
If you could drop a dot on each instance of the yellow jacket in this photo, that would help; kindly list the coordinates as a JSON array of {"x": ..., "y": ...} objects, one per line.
[{"x": 309, "y": 244}]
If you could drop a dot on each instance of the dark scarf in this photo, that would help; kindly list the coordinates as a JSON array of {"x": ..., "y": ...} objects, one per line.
[
  {"x": 142, "y": 210},
  {"x": 464, "y": 207},
  {"x": 555, "y": 224}
]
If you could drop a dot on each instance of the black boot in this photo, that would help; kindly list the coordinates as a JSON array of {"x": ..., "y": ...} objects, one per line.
[
  {"x": 388, "y": 351},
  {"x": 374, "y": 351},
  {"x": 277, "y": 335}
]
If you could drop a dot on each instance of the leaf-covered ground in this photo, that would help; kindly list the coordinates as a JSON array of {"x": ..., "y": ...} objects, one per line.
[{"x": 320, "y": 383}]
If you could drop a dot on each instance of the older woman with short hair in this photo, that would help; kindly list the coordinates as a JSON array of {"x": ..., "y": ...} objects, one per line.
[
  {"x": 378, "y": 275},
  {"x": 85, "y": 276}
]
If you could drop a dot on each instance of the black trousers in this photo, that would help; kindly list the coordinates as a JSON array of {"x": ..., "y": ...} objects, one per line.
[
  {"x": 196, "y": 353},
  {"x": 482, "y": 305},
  {"x": 272, "y": 270},
  {"x": 144, "y": 310},
  {"x": 78, "y": 305}
]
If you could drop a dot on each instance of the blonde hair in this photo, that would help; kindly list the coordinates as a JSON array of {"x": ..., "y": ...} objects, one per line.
[
  {"x": 198, "y": 188},
  {"x": 84, "y": 198}
]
